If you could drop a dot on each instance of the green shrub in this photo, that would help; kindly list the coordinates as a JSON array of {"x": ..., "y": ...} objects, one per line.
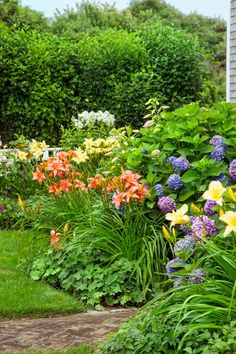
[
  {"x": 120, "y": 71},
  {"x": 175, "y": 59},
  {"x": 37, "y": 84},
  {"x": 185, "y": 132}
]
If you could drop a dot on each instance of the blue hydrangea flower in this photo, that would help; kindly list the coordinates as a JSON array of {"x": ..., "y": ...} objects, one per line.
[
  {"x": 171, "y": 268},
  {"x": 208, "y": 207},
  {"x": 174, "y": 182},
  {"x": 218, "y": 141},
  {"x": 170, "y": 159},
  {"x": 181, "y": 164},
  {"x": 166, "y": 204},
  {"x": 221, "y": 177},
  {"x": 232, "y": 170},
  {"x": 184, "y": 228},
  {"x": 186, "y": 243},
  {"x": 197, "y": 276},
  {"x": 159, "y": 188},
  {"x": 218, "y": 153}
]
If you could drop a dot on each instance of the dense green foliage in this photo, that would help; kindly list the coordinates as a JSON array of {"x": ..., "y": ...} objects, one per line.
[
  {"x": 111, "y": 60},
  {"x": 38, "y": 89}
]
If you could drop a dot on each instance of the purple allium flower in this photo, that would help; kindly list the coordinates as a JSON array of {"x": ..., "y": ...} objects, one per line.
[
  {"x": 218, "y": 153},
  {"x": 171, "y": 266},
  {"x": 159, "y": 190},
  {"x": 144, "y": 152},
  {"x": 181, "y": 164},
  {"x": 203, "y": 226},
  {"x": 170, "y": 159},
  {"x": 2, "y": 208},
  {"x": 174, "y": 182},
  {"x": 197, "y": 276},
  {"x": 208, "y": 207},
  {"x": 232, "y": 170},
  {"x": 221, "y": 177},
  {"x": 166, "y": 204},
  {"x": 218, "y": 141}
]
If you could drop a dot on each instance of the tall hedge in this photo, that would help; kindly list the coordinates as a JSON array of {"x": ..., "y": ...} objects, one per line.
[
  {"x": 121, "y": 71},
  {"x": 37, "y": 84},
  {"x": 46, "y": 79}
]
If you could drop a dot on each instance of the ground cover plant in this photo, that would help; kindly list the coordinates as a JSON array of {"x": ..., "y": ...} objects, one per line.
[{"x": 19, "y": 295}]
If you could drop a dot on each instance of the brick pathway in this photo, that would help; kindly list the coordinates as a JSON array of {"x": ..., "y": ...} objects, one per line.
[{"x": 59, "y": 332}]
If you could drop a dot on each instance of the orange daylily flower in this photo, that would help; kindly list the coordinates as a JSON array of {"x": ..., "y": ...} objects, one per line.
[
  {"x": 54, "y": 238},
  {"x": 53, "y": 189},
  {"x": 118, "y": 199},
  {"x": 79, "y": 184},
  {"x": 39, "y": 176},
  {"x": 64, "y": 185}
]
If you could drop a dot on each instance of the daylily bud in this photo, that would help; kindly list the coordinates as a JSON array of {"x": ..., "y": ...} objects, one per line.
[
  {"x": 231, "y": 194},
  {"x": 67, "y": 227}
]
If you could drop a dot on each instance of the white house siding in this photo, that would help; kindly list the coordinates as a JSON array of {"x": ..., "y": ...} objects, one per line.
[{"x": 231, "y": 62}]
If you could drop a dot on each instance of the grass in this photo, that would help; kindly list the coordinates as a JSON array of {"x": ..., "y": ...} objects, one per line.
[{"x": 20, "y": 296}]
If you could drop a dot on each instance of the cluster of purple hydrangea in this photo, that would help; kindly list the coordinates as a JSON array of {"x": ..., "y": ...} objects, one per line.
[
  {"x": 166, "y": 204},
  {"x": 159, "y": 188},
  {"x": 197, "y": 276},
  {"x": 203, "y": 226},
  {"x": 181, "y": 164},
  {"x": 174, "y": 182},
  {"x": 2, "y": 208},
  {"x": 232, "y": 170},
  {"x": 208, "y": 207},
  {"x": 218, "y": 142}
]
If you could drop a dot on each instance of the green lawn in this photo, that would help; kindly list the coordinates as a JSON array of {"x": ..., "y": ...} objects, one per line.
[
  {"x": 83, "y": 349},
  {"x": 19, "y": 295}
]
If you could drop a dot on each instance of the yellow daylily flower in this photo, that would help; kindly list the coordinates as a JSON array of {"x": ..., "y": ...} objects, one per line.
[
  {"x": 88, "y": 143},
  {"x": 43, "y": 145},
  {"x": 178, "y": 216},
  {"x": 81, "y": 156},
  {"x": 215, "y": 192},
  {"x": 229, "y": 218},
  {"x": 38, "y": 153},
  {"x": 34, "y": 145},
  {"x": 22, "y": 155}
]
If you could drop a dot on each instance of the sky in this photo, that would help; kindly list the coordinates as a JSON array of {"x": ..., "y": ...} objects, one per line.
[{"x": 211, "y": 8}]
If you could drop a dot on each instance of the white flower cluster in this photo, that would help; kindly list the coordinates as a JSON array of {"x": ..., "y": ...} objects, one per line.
[
  {"x": 86, "y": 119},
  {"x": 5, "y": 164}
]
